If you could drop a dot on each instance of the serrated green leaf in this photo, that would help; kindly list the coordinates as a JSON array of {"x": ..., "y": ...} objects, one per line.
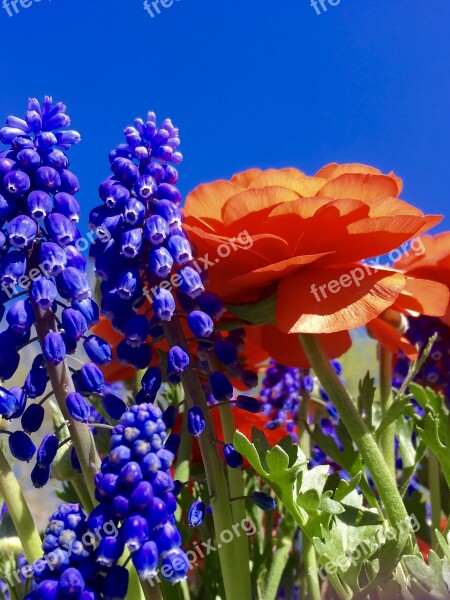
[
  {"x": 277, "y": 460},
  {"x": 398, "y": 409},
  {"x": 443, "y": 544},
  {"x": 346, "y": 487},
  {"x": 309, "y": 500},
  {"x": 243, "y": 445},
  {"x": 330, "y": 506},
  {"x": 366, "y": 395}
]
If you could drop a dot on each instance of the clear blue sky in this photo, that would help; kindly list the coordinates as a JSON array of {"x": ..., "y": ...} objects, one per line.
[{"x": 249, "y": 82}]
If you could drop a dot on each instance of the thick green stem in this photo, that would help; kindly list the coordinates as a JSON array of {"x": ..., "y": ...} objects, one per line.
[
  {"x": 19, "y": 511},
  {"x": 151, "y": 592},
  {"x": 182, "y": 469},
  {"x": 387, "y": 437},
  {"x": 62, "y": 384},
  {"x": 434, "y": 481},
  {"x": 237, "y": 490},
  {"x": 82, "y": 492},
  {"x": 310, "y": 576},
  {"x": 215, "y": 475},
  {"x": 379, "y": 470}
]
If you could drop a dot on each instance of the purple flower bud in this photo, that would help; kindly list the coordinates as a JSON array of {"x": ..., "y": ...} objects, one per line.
[
  {"x": 20, "y": 316},
  {"x": 67, "y": 138},
  {"x": 170, "y": 174},
  {"x": 170, "y": 213},
  {"x": 134, "y": 532},
  {"x": 196, "y": 421},
  {"x": 145, "y": 187},
  {"x": 221, "y": 388},
  {"x": 89, "y": 309},
  {"x": 52, "y": 258},
  {"x": 166, "y": 191},
  {"x": 170, "y": 416},
  {"x": 200, "y": 324},
  {"x": 134, "y": 212},
  {"x": 90, "y": 378},
  {"x": 32, "y": 418},
  {"x": 75, "y": 283},
  {"x": 68, "y": 206},
  {"x": 175, "y": 566},
  {"x": 28, "y": 160},
  {"x": 69, "y": 182},
  {"x": 131, "y": 242},
  {"x": 57, "y": 121},
  {"x": 21, "y": 446},
  {"x": 180, "y": 249},
  {"x": 71, "y": 583},
  {"x": 55, "y": 158},
  {"x": 125, "y": 171},
  {"x": 9, "y": 403},
  {"x": 7, "y": 134},
  {"x": 78, "y": 407},
  {"x": 22, "y": 231},
  {"x": 7, "y": 207},
  {"x": 249, "y": 378},
  {"x": 74, "y": 258},
  {"x": 151, "y": 381},
  {"x": 166, "y": 457},
  {"x": 12, "y": 268},
  {"x": 114, "y": 406},
  {"x": 225, "y": 351},
  {"x": 164, "y": 304},
  {"x": 39, "y": 205},
  {"x": 173, "y": 443},
  {"x": 60, "y": 229},
  {"x": 114, "y": 586},
  {"x": 136, "y": 330},
  {"x": 156, "y": 513},
  {"x": 45, "y": 140},
  {"x": 39, "y": 477},
  {"x": 232, "y": 457},
  {"x": 178, "y": 360},
  {"x": 146, "y": 560},
  {"x": 106, "y": 484},
  {"x": 43, "y": 292},
  {"x": 263, "y": 501},
  {"x": 196, "y": 513},
  {"x": 155, "y": 170},
  {"x": 20, "y": 401},
  {"x": 128, "y": 284},
  {"x": 212, "y": 305},
  {"x": 8, "y": 363},
  {"x": 6, "y": 166},
  {"x": 98, "y": 350},
  {"x": 36, "y": 382},
  {"x": 54, "y": 348},
  {"x": 307, "y": 384},
  {"x": 249, "y": 404},
  {"x": 34, "y": 121},
  {"x": 156, "y": 229},
  {"x": 191, "y": 284},
  {"x": 74, "y": 322},
  {"x": 16, "y": 183},
  {"x": 110, "y": 549},
  {"x": 47, "y": 450},
  {"x": 160, "y": 262},
  {"x": 138, "y": 356},
  {"x": 47, "y": 179}
]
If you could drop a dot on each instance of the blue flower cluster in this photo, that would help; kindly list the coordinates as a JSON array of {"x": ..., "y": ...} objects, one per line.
[
  {"x": 135, "y": 488},
  {"x": 76, "y": 561},
  {"x": 40, "y": 265},
  {"x": 435, "y": 373}
]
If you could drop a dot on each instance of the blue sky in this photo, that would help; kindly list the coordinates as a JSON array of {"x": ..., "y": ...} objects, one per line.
[{"x": 249, "y": 82}]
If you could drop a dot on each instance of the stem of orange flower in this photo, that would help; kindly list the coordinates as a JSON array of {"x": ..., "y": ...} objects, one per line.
[
  {"x": 215, "y": 475},
  {"x": 386, "y": 400},
  {"x": 356, "y": 427}
]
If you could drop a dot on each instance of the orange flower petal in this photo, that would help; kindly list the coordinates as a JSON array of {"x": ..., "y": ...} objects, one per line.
[
  {"x": 360, "y": 186},
  {"x": 328, "y": 300},
  {"x": 207, "y": 200},
  {"x": 391, "y": 339},
  {"x": 244, "y": 179},
  {"x": 422, "y": 296},
  {"x": 303, "y": 186},
  {"x": 254, "y": 204}
]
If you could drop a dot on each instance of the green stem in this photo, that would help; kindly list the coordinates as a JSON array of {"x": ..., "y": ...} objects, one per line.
[
  {"x": 151, "y": 592},
  {"x": 387, "y": 437},
  {"x": 62, "y": 384},
  {"x": 310, "y": 576},
  {"x": 434, "y": 480},
  {"x": 279, "y": 560},
  {"x": 356, "y": 427},
  {"x": 182, "y": 469},
  {"x": 19, "y": 511},
  {"x": 82, "y": 492},
  {"x": 237, "y": 490},
  {"x": 217, "y": 485}
]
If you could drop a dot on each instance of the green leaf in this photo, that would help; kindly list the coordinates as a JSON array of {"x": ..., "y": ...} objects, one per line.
[
  {"x": 430, "y": 578},
  {"x": 366, "y": 395},
  {"x": 243, "y": 445},
  {"x": 399, "y": 408},
  {"x": 255, "y": 313},
  {"x": 443, "y": 544}
]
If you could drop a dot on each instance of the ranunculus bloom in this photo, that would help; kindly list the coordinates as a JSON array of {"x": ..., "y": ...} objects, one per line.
[
  {"x": 302, "y": 238},
  {"x": 433, "y": 263}
]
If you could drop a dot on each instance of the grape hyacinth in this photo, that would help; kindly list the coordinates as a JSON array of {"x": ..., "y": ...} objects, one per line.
[
  {"x": 135, "y": 488},
  {"x": 74, "y": 563},
  {"x": 43, "y": 281},
  {"x": 435, "y": 372}
]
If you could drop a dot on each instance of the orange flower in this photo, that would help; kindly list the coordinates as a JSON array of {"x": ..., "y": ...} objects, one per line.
[{"x": 302, "y": 238}]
